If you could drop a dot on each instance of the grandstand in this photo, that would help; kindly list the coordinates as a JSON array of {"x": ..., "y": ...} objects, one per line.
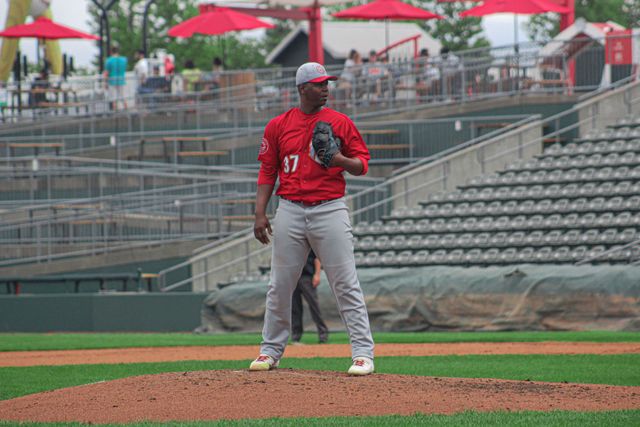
[{"x": 500, "y": 172}]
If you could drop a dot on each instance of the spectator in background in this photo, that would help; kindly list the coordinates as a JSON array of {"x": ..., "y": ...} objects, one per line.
[
  {"x": 217, "y": 68},
  {"x": 350, "y": 73},
  {"x": 114, "y": 71},
  {"x": 191, "y": 76},
  {"x": 169, "y": 66},
  {"x": 307, "y": 284},
  {"x": 141, "y": 70},
  {"x": 450, "y": 70},
  {"x": 426, "y": 74},
  {"x": 373, "y": 71},
  {"x": 39, "y": 87}
]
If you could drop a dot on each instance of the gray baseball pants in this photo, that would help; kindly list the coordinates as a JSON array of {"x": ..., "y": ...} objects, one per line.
[{"x": 326, "y": 228}]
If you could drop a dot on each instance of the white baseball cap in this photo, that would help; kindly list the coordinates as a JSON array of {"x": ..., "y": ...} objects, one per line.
[{"x": 312, "y": 72}]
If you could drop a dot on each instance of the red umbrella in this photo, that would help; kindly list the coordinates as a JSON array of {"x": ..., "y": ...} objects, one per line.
[
  {"x": 218, "y": 20},
  {"x": 517, "y": 7},
  {"x": 45, "y": 28},
  {"x": 386, "y": 9},
  {"x": 522, "y": 7}
]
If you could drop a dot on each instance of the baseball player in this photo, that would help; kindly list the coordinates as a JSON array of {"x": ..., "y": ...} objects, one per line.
[{"x": 308, "y": 148}]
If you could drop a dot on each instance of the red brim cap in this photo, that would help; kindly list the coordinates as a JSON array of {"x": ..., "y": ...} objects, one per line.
[{"x": 322, "y": 79}]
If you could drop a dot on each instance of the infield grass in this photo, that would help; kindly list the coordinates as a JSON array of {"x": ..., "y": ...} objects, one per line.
[
  {"x": 465, "y": 419},
  {"x": 76, "y": 341}
]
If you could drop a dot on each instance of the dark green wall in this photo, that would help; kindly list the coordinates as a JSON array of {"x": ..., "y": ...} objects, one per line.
[
  {"x": 144, "y": 312},
  {"x": 153, "y": 266}
]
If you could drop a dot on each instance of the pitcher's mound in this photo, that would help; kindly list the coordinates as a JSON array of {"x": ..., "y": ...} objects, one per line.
[{"x": 208, "y": 395}]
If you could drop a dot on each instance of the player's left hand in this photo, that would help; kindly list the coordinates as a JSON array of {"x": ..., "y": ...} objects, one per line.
[{"x": 262, "y": 229}]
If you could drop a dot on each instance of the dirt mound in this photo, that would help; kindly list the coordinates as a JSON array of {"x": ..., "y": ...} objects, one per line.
[{"x": 209, "y": 395}]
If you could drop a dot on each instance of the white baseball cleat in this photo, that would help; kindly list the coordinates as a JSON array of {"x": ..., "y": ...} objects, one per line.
[
  {"x": 264, "y": 362},
  {"x": 361, "y": 366}
]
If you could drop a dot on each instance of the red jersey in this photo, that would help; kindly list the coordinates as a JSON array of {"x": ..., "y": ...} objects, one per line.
[{"x": 285, "y": 152}]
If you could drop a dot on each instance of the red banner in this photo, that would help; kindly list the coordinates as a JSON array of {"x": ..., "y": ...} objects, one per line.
[{"x": 618, "y": 47}]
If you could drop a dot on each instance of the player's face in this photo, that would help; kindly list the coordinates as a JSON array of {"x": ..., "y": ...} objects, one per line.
[{"x": 316, "y": 94}]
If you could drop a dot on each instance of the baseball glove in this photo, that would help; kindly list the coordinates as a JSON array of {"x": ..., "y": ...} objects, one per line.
[{"x": 325, "y": 144}]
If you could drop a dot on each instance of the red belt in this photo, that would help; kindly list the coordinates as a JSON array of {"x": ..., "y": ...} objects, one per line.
[{"x": 308, "y": 204}]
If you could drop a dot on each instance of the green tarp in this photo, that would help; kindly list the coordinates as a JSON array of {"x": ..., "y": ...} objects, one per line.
[{"x": 526, "y": 297}]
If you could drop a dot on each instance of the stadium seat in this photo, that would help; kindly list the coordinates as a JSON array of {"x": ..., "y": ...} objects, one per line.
[
  {"x": 561, "y": 254},
  {"x": 437, "y": 257},
  {"x": 516, "y": 238},
  {"x": 498, "y": 239},
  {"x": 454, "y": 257},
  {"x": 627, "y": 235},
  {"x": 372, "y": 259},
  {"x": 375, "y": 227},
  {"x": 415, "y": 242},
  {"x": 419, "y": 258},
  {"x": 571, "y": 219},
  {"x": 525, "y": 255},
  {"x": 360, "y": 228},
  {"x": 472, "y": 256},
  {"x": 403, "y": 258},
  {"x": 381, "y": 243},
  {"x": 391, "y": 227},
  {"x": 464, "y": 240},
  {"x": 590, "y": 237},
  {"x": 388, "y": 258},
  {"x": 408, "y": 226},
  {"x": 534, "y": 238},
  {"x": 398, "y": 242}
]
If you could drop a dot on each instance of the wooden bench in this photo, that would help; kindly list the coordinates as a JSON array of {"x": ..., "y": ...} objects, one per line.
[
  {"x": 379, "y": 132},
  {"x": 388, "y": 146},
  {"x": 205, "y": 154},
  {"x": 379, "y": 136},
  {"x": 479, "y": 127},
  {"x": 36, "y": 146},
  {"x": 178, "y": 142},
  {"x": 92, "y": 221},
  {"x": 65, "y": 105},
  {"x": 242, "y": 218},
  {"x": 148, "y": 278}
]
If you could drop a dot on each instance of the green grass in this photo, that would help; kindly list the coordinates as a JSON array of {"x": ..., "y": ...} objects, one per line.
[
  {"x": 470, "y": 419},
  {"x": 70, "y": 341},
  {"x": 621, "y": 369}
]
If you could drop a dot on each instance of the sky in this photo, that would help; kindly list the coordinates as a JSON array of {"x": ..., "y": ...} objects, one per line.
[{"x": 497, "y": 28}]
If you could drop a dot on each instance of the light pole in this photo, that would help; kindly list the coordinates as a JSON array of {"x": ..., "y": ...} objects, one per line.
[
  {"x": 104, "y": 29},
  {"x": 145, "y": 20}
]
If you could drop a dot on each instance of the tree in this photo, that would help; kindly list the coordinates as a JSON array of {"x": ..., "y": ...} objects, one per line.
[
  {"x": 125, "y": 19},
  {"x": 542, "y": 28},
  {"x": 454, "y": 32}
]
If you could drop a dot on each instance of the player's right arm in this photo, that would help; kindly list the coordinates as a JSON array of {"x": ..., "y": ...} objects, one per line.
[{"x": 267, "y": 176}]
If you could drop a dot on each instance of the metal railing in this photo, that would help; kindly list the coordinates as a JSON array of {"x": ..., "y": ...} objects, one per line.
[
  {"x": 582, "y": 114},
  {"x": 391, "y": 141},
  {"x": 253, "y": 96},
  {"x": 198, "y": 210}
]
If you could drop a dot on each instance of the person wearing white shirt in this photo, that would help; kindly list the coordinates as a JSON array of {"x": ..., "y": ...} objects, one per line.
[{"x": 141, "y": 69}]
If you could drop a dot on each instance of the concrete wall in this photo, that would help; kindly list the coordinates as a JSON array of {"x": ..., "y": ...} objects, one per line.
[
  {"x": 222, "y": 262},
  {"x": 175, "y": 312},
  {"x": 457, "y": 168},
  {"x": 607, "y": 108}
]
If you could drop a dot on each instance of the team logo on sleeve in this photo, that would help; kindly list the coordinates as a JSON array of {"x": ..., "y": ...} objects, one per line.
[{"x": 264, "y": 146}]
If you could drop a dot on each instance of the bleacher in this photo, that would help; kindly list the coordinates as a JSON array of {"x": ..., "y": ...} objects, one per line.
[{"x": 576, "y": 201}]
